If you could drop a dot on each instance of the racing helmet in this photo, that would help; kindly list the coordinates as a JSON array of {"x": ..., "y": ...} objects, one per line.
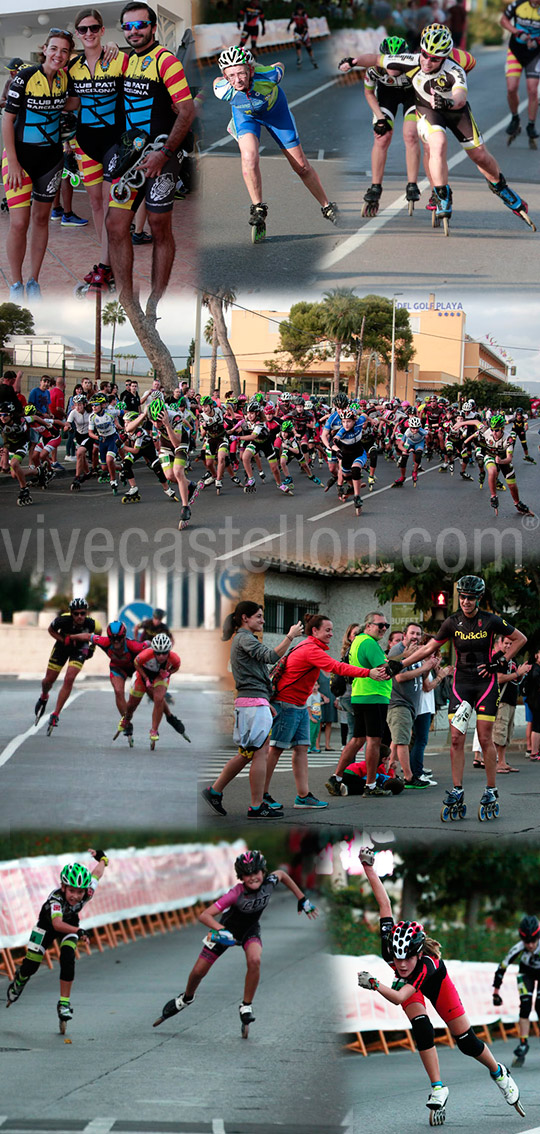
[
  {"x": 414, "y": 423},
  {"x": 408, "y": 938},
  {"x": 436, "y": 40},
  {"x": 78, "y": 604},
  {"x": 116, "y": 629},
  {"x": 249, "y": 862},
  {"x": 234, "y": 57},
  {"x": 529, "y": 928},
  {"x": 73, "y": 874},
  {"x": 471, "y": 585},
  {"x": 392, "y": 45},
  {"x": 161, "y": 644}
]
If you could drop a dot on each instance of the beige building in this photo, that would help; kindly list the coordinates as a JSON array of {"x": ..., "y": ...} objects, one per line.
[{"x": 444, "y": 353}]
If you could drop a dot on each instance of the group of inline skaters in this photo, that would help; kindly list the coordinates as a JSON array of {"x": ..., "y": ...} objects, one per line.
[
  {"x": 147, "y": 660},
  {"x": 234, "y": 919},
  {"x": 170, "y": 431}
]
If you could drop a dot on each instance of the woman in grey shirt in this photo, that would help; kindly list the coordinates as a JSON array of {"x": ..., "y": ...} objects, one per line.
[{"x": 253, "y": 716}]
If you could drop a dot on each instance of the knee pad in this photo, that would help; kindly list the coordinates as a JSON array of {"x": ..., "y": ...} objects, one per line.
[
  {"x": 422, "y": 1030},
  {"x": 67, "y": 963},
  {"x": 469, "y": 1044},
  {"x": 525, "y": 1005},
  {"x": 417, "y": 457}
]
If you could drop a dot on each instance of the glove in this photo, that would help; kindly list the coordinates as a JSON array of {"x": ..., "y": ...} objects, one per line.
[
  {"x": 348, "y": 59},
  {"x": 366, "y": 980},
  {"x": 100, "y": 856},
  {"x": 442, "y": 103},
  {"x": 497, "y": 999},
  {"x": 304, "y": 905},
  {"x": 494, "y": 663},
  {"x": 394, "y": 666},
  {"x": 366, "y": 856},
  {"x": 381, "y": 127},
  {"x": 82, "y": 933}
]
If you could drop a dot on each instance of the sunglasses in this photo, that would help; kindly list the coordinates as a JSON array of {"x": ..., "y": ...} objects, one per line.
[
  {"x": 136, "y": 25},
  {"x": 61, "y": 31},
  {"x": 381, "y": 625},
  {"x": 432, "y": 58},
  {"x": 89, "y": 29}
]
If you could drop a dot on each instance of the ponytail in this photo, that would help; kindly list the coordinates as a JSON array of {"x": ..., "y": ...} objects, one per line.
[{"x": 233, "y": 621}]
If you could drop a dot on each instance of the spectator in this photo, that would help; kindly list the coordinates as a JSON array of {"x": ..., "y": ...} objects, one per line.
[
  {"x": 531, "y": 688},
  {"x": 503, "y": 727},
  {"x": 404, "y": 701},
  {"x": 39, "y": 396},
  {"x": 369, "y": 699},
  {"x": 424, "y": 716}
]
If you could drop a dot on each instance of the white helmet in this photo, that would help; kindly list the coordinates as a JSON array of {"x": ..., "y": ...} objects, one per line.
[
  {"x": 161, "y": 644},
  {"x": 235, "y": 56},
  {"x": 414, "y": 423}
]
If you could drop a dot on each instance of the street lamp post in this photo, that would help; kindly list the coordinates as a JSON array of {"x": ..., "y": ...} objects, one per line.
[
  {"x": 393, "y": 357},
  {"x": 374, "y": 355}
]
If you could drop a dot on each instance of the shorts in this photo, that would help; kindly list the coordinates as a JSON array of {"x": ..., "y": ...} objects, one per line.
[
  {"x": 460, "y": 123},
  {"x": 505, "y": 468},
  {"x": 349, "y": 464},
  {"x": 157, "y": 192},
  {"x": 252, "y": 726},
  {"x": 391, "y": 98},
  {"x": 400, "y": 722},
  {"x": 138, "y": 688},
  {"x": 74, "y": 655},
  {"x": 95, "y": 150},
  {"x": 482, "y": 693},
  {"x": 278, "y": 121},
  {"x": 503, "y": 728},
  {"x": 519, "y": 57},
  {"x": 178, "y": 459},
  {"x": 108, "y": 445},
  {"x": 369, "y": 718},
  {"x": 290, "y": 726},
  {"x": 42, "y": 168},
  {"x": 212, "y": 953}
]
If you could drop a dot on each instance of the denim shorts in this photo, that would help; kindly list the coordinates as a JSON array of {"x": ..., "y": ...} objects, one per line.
[{"x": 290, "y": 725}]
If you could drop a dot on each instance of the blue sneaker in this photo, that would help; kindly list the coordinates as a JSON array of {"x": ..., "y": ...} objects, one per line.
[
  {"x": 16, "y": 293},
  {"x": 57, "y": 213},
  {"x": 267, "y": 798},
  {"x": 71, "y": 220},
  {"x": 309, "y": 800},
  {"x": 33, "y": 290}
]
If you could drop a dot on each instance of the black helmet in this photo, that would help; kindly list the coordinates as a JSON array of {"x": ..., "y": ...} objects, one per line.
[
  {"x": 78, "y": 604},
  {"x": 249, "y": 862},
  {"x": 529, "y": 928},
  {"x": 471, "y": 585},
  {"x": 340, "y": 401},
  {"x": 408, "y": 939}
]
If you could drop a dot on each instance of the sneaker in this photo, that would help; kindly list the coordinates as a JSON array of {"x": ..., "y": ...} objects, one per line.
[
  {"x": 335, "y": 786},
  {"x": 214, "y": 798},
  {"x": 57, "y": 213},
  {"x": 141, "y": 238},
  {"x": 377, "y": 790},
  {"x": 71, "y": 220},
  {"x": 16, "y": 293},
  {"x": 427, "y": 780},
  {"x": 272, "y": 802},
  {"x": 60, "y": 468},
  {"x": 264, "y": 812},
  {"x": 309, "y": 800},
  {"x": 33, "y": 290},
  {"x": 427, "y": 771},
  {"x": 415, "y": 782}
]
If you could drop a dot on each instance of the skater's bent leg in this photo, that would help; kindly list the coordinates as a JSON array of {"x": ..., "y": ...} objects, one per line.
[
  {"x": 532, "y": 95},
  {"x": 299, "y": 162},
  {"x": 159, "y": 701},
  {"x": 67, "y": 686},
  {"x": 378, "y": 156},
  {"x": 251, "y": 169},
  {"x": 457, "y": 756},
  {"x": 438, "y": 163},
  {"x": 198, "y": 972},
  {"x": 469, "y": 1043},
  {"x": 422, "y": 1030},
  {"x": 48, "y": 681},
  {"x": 486, "y": 163},
  {"x": 253, "y": 951},
  {"x": 512, "y": 91},
  {"x": 489, "y": 752},
  {"x": 412, "y": 150},
  {"x": 118, "y": 684}
]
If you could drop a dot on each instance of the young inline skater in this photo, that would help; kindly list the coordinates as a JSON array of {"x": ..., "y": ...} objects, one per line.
[
  {"x": 70, "y": 631},
  {"x": 59, "y": 921},
  {"x": 241, "y": 908},
  {"x": 154, "y": 667},
  {"x": 421, "y": 973},
  {"x": 526, "y": 954}
]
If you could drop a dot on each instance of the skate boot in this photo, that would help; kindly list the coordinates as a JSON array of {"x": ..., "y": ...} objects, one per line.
[
  {"x": 40, "y": 706},
  {"x": 532, "y": 135},
  {"x": 246, "y": 1018},
  {"x": 508, "y": 1087},
  {"x": 154, "y": 737},
  {"x": 454, "y": 805},
  {"x": 128, "y": 733},
  {"x": 75, "y": 485},
  {"x": 53, "y": 723},
  {"x": 488, "y": 807},
  {"x": 262, "y": 475},
  {"x": 185, "y": 516},
  {"x": 330, "y": 212},
  {"x": 412, "y": 194},
  {"x": 257, "y": 219},
  {"x": 399, "y": 482},
  {"x": 219, "y": 487},
  {"x": 114, "y": 487},
  {"x": 465, "y": 476},
  {"x": 432, "y": 202},
  {"x": 178, "y": 726},
  {"x": 65, "y": 1014},
  {"x": 372, "y": 197},
  {"x": 14, "y": 989},
  {"x": 513, "y": 128},
  {"x": 357, "y": 501},
  {"x": 443, "y": 208},
  {"x": 24, "y": 498},
  {"x": 494, "y": 501},
  {"x": 523, "y": 509},
  {"x": 512, "y": 200},
  {"x": 132, "y": 497},
  {"x": 436, "y": 1104},
  {"x": 520, "y": 1052},
  {"x": 530, "y": 460},
  {"x": 169, "y": 491},
  {"x": 172, "y": 1007},
  {"x": 371, "y": 481},
  {"x": 250, "y": 485},
  {"x": 332, "y": 480}
]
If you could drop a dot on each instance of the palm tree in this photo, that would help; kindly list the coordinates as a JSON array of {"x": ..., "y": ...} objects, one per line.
[
  {"x": 210, "y": 337},
  {"x": 343, "y": 319},
  {"x": 217, "y": 303},
  {"x": 113, "y": 315}
]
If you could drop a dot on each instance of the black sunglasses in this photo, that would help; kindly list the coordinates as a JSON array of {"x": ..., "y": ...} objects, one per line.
[
  {"x": 136, "y": 25},
  {"x": 85, "y": 29}
]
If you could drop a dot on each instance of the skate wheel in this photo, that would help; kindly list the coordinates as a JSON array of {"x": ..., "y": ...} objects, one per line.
[
  {"x": 152, "y": 745},
  {"x": 130, "y": 741},
  {"x": 446, "y": 814},
  {"x": 519, "y": 1108},
  {"x": 518, "y": 1061},
  {"x": 411, "y": 207},
  {"x": 258, "y": 234},
  {"x": 435, "y": 220},
  {"x": 437, "y": 1117},
  {"x": 445, "y": 226},
  {"x": 245, "y": 1031},
  {"x": 463, "y": 811},
  {"x": 496, "y": 811},
  {"x": 527, "y": 219},
  {"x": 121, "y": 193},
  {"x": 75, "y": 179},
  {"x": 63, "y": 1024},
  {"x": 482, "y": 814}
]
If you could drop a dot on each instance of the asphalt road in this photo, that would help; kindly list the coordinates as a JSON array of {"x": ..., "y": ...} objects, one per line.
[
  {"x": 413, "y": 817},
  {"x": 80, "y": 778},
  {"x": 488, "y": 247},
  {"x": 194, "y": 1073},
  {"x": 443, "y": 519}
]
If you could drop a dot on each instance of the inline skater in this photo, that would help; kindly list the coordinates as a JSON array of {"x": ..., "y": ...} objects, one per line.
[
  {"x": 300, "y": 21},
  {"x": 526, "y": 954},
  {"x": 248, "y": 20},
  {"x": 421, "y": 974},
  {"x": 15, "y": 438},
  {"x": 384, "y": 95},
  {"x": 411, "y": 440},
  {"x": 472, "y": 632},
  {"x": 519, "y": 421},
  {"x": 497, "y": 450},
  {"x": 138, "y": 442},
  {"x": 522, "y": 20},
  {"x": 241, "y": 908},
  {"x": 157, "y": 102},
  {"x": 257, "y": 100},
  {"x": 33, "y": 158},
  {"x": 154, "y": 667},
  {"x": 349, "y": 442},
  {"x": 440, "y": 86},
  {"x": 58, "y": 921},
  {"x": 103, "y": 430},
  {"x": 70, "y": 632},
  {"x": 174, "y": 431}
]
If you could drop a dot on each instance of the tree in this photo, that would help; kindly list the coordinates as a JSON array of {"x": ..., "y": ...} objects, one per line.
[
  {"x": 113, "y": 315},
  {"x": 210, "y": 337},
  {"x": 342, "y": 313},
  {"x": 144, "y": 326},
  {"x": 500, "y": 395},
  {"x": 217, "y": 303},
  {"x": 14, "y": 320},
  {"x": 20, "y": 592}
]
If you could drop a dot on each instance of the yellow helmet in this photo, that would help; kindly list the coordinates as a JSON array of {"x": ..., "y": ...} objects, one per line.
[{"x": 436, "y": 40}]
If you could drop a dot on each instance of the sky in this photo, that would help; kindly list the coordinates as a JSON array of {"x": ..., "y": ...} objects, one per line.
[{"x": 511, "y": 320}]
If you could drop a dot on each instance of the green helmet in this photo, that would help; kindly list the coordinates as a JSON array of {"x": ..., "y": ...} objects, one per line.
[
  {"x": 130, "y": 415},
  {"x": 156, "y": 407},
  {"x": 73, "y": 874},
  {"x": 392, "y": 45},
  {"x": 287, "y": 427},
  {"x": 121, "y": 406},
  {"x": 497, "y": 421},
  {"x": 258, "y": 398}
]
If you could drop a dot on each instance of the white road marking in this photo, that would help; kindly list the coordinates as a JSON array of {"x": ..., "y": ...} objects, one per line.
[
  {"x": 304, "y": 98},
  {"x": 218, "y": 1126},
  {"x": 372, "y": 226},
  {"x": 320, "y": 155},
  {"x": 16, "y": 742},
  {"x": 376, "y": 491},
  {"x": 99, "y": 1126}
]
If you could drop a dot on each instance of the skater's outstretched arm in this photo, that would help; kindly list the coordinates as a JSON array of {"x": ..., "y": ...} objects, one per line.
[
  {"x": 366, "y": 856},
  {"x": 101, "y": 862},
  {"x": 304, "y": 904},
  {"x": 393, "y": 995}
]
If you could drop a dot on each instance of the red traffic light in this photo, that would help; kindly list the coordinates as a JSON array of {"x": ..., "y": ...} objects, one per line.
[{"x": 441, "y": 599}]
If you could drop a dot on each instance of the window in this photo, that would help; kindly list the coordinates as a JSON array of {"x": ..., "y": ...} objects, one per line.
[{"x": 280, "y": 613}]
